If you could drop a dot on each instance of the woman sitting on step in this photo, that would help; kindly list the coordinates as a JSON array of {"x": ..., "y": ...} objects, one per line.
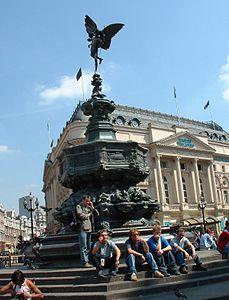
[{"x": 21, "y": 288}]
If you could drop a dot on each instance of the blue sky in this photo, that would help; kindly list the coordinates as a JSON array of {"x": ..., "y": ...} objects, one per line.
[{"x": 164, "y": 43}]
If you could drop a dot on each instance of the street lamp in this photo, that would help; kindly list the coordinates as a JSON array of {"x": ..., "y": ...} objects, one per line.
[
  {"x": 28, "y": 205},
  {"x": 202, "y": 206}
]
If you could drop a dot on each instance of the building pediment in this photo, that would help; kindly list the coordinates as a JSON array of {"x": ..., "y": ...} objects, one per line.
[{"x": 184, "y": 140}]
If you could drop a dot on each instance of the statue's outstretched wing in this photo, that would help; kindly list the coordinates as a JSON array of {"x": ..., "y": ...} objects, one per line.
[
  {"x": 108, "y": 32},
  {"x": 90, "y": 25}
]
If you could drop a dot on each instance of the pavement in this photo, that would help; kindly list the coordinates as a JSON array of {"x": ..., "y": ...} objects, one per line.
[{"x": 204, "y": 292}]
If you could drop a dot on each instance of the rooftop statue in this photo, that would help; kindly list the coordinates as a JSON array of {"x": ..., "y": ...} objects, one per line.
[{"x": 100, "y": 38}]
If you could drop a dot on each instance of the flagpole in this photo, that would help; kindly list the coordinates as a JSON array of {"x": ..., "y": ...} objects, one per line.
[
  {"x": 175, "y": 99},
  {"x": 49, "y": 136},
  {"x": 210, "y": 111},
  {"x": 79, "y": 76},
  {"x": 82, "y": 85}
]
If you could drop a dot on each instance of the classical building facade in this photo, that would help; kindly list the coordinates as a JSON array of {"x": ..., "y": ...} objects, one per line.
[
  {"x": 12, "y": 226},
  {"x": 188, "y": 162}
]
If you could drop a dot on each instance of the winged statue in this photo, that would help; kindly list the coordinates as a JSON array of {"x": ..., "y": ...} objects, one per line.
[{"x": 100, "y": 38}]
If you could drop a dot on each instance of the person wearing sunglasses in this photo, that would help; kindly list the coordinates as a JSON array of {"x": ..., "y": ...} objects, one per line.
[{"x": 137, "y": 251}]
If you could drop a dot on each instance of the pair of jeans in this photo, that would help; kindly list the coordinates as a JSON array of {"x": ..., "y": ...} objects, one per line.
[
  {"x": 109, "y": 262},
  {"x": 165, "y": 262},
  {"x": 225, "y": 250},
  {"x": 133, "y": 261},
  {"x": 180, "y": 257},
  {"x": 85, "y": 245}
]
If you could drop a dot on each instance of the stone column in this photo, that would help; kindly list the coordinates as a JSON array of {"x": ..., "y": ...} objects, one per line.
[
  {"x": 160, "y": 181},
  {"x": 194, "y": 187},
  {"x": 180, "y": 185},
  {"x": 213, "y": 181},
  {"x": 176, "y": 186},
  {"x": 156, "y": 182},
  {"x": 197, "y": 177},
  {"x": 210, "y": 183}
]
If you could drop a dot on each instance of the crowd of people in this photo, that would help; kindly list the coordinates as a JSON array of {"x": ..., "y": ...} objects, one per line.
[{"x": 164, "y": 258}]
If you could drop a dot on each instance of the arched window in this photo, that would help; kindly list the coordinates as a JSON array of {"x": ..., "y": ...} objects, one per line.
[
  {"x": 225, "y": 190},
  {"x": 166, "y": 189},
  {"x": 185, "y": 190}
]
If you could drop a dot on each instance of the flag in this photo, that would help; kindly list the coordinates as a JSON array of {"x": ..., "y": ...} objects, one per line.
[
  {"x": 48, "y": 128},
  {"x": 174, "y": 92},
  {"x": 79, "y": 74},
  {"x": 206, "y": 105},
  {"x": 51, "y": 144}
]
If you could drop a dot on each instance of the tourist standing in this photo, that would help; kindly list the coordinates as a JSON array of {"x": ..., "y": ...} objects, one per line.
[{"x": 84, "y": 211}]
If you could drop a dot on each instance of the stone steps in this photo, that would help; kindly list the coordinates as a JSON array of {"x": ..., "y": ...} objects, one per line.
[{"x": 83, "y": 283}]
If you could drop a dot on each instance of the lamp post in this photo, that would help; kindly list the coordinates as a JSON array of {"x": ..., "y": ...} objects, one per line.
[
  {"x": 202, "y": 206},
  {"x": 28, "y": 205}
]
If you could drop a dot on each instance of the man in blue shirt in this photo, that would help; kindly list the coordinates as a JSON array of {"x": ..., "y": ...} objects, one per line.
[
  {"x": 162, "y": 253},
  {"x": 137, "y": 251}
]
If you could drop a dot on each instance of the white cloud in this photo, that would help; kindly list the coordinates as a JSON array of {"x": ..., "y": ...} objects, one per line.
[
  {"x": 4, "y": 149},
  {"x": 224, "y": 77},
  {"x": 67, "y": 88}
]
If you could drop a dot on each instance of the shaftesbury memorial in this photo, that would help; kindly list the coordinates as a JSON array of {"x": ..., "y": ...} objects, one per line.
[{"x": 103, "y": 167}]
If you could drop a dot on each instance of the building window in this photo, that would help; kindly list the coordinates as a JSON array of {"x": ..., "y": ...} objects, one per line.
[
  {"x": 214, "y": 168},
  {"x": 120, "y": 120},
  {"x": 185, "y": 190},
  {"x": 163, "y": 164},
  {"x": 134, "y": 122},
  {"x": 225, "y": 196},
  {"x": 182, "y": 166},
  {"x": 199, "y": 167},
  {"x": 166, "y": 189},
  {"x": 223, "y": 169}
]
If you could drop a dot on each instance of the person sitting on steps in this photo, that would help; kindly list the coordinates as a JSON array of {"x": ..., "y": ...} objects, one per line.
[
  {"x": 105, "y": 255},
  {"x": 137, "y": 251},
  {"x": 21, "y": 288},
  {"x": 162, "y": 253},
  {"x": 183, "y": 249}
]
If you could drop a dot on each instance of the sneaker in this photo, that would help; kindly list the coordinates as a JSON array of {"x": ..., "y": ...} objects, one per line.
[
  {"x": 174, "y": 272},
  {"x": 166, "y": 274},
  {"x": 133, "y": 277},
  {"x": 201, "y": 268},
  {"x": 87, "y": 265},
  {"x": 113, "y": 273},
  {"x": 183, "y": 270},
  {"x": 158, "y": 274},
  {"x": 101, "y": 274}
]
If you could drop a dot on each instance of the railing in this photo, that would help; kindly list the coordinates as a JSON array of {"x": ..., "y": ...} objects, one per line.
[{"x": 11, "y": 260}]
